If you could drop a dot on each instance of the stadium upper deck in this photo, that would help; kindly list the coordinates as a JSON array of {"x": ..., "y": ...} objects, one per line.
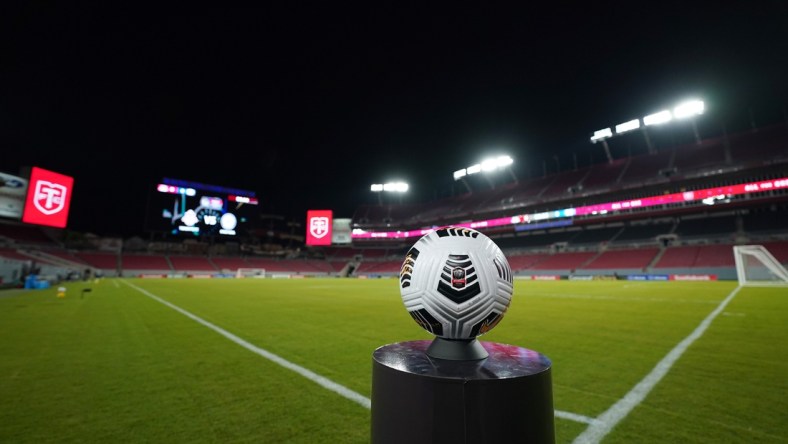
[{"x": 756, "y": 155}]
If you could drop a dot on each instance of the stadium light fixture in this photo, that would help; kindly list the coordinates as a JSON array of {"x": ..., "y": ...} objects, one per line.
[
  {"x": 489, "y": 165},
  {"x": 688, "y": 109},
  {"x": 658, "y": 118},
  {"x": 504, "y": 161},
  {"x": 390, "y": 187},
  {"x": 601, "y": 135},
  {"x": 396, "y": 187},
  {"x": 627, "y": 126}
]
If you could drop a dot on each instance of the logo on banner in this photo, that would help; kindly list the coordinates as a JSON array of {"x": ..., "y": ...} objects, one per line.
[
  {"x": 318, "y": 226},
  {"x": 50, "y": 198}
]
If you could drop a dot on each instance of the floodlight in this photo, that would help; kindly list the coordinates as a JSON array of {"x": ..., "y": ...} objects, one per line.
[
  {"x": 395, "y": 187},
  {"x": 473, "y": 169},
  {"x": 601, "y": 134},
  {"x": 688, "y": 109},
  {"x": 503, "y": 161},
  {"x": 377, "y": 187},
  {"x": 460, "y": 174},
  {"x": 657, "y": 118},
  {"x": 489, "y": 165},
  {"x": 628, "y": 126}
]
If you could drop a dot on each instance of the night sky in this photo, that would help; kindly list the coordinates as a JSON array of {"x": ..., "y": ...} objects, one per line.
[{"x": 307, "y": 106}]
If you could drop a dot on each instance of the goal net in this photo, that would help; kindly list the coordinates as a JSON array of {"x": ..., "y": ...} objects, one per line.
[
  {"x": 250, "y": 273},
  {"x": 756, "y": 266}
]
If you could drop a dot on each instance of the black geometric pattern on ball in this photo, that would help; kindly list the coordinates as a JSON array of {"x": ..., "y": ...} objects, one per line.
[
  {"x": 407, "y": 267},
  {"x": 504, "y": 271},
  {"x": 486, "y": 324},
  {"x": 447, "y": 285},
  {"x": 443, "y": 232},
  {"x": 427, "y": 322}
]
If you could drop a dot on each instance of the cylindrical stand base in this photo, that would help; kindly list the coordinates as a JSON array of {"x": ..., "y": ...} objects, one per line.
[{"x": 506, "y": 397}]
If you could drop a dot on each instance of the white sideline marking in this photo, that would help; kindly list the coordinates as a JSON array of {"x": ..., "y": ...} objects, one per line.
[
  {"x": 605, "y": 422},
  {"x": 312, "y": 376},
  {"x": 574, "y": 417}
]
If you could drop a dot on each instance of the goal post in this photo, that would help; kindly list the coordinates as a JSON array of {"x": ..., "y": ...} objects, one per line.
[
  {"x": 755, "y": 265},
  {"x": 250, "y": 273}
]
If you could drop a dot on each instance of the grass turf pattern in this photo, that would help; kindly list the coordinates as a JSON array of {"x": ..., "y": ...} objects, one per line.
[{"x": 116, "y": 365}]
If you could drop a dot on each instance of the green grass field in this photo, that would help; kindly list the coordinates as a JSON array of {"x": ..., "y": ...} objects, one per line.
[{"x": 115, "y": 365}]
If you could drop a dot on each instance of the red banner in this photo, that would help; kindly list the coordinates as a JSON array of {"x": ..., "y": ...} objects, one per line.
[
  {"x": 318, "y": 227},
  {"x": 48, "y": 198}
]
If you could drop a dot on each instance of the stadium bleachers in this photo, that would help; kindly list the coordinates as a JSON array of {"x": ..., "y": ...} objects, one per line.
[
  {"x": 564, "y": 261},
  {"x": 102, "y": 261},
  {"x": 603, "y": 177},
  {"x": 25, "y": 234},
  {"x": 623, "y": 259},
  {"x": 144, "y": 262},
  {"x": 646, "y": 168},
  {"x": 229, "y": 263},
  {"x": 192, "y": 263}
]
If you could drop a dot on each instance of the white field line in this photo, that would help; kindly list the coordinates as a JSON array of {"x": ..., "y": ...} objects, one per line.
[
  {"x": 605, "y": 422},
  {"x": 600, "y": 296},
  {"x": 312, "y": 376}
]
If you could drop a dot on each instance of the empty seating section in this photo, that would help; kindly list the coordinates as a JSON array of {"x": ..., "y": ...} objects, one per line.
[
  {"x": 379, "y": 267},
  {"x": 11, "y": 253},
  {"x": 191, "y": 263},
  {"x": 714, "y": 256},
  {"x": 623, "y": 259},
  {"x": 518, "y": 262},
  {"x": 707, "y": 227},
  {"x": 104, "y": 261},
  {"x": 535, "y": 239},
  {"x": 769, "y": 221},
  {"x": 642, "y": 233},
  {"x": 529, "y": 191},
  {"x": 25, "y": 234},
  {"x": 564, "y": 261},
  {"x": 65, "y": 254},
  {"x": 345, "y": 253},
  {"x": 763, "y": 146},
  {"x": 678, "y": 257},
  {"x": 371, "y": 253},
  {"x": 690, "y": 158},
  {"x": 308, "y": 266},
  {"x": 144, "y": 262},
  {"x": 645, "y": 168},
  {"x": 778, "y": 249},
  {"x": 595, "y": 236},
  {"x": 603, "y": 177},
  {"x": 229, "y": 263},
  {"x": 559, "y": 188}
]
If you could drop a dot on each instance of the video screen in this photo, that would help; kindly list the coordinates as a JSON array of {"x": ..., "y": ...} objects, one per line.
[{"x": 185, "y": 208}]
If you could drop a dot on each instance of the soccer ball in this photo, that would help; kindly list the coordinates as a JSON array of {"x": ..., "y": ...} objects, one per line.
[{"x": 456, "y": 283}]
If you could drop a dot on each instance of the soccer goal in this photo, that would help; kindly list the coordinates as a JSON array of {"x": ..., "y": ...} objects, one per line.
[
  {"x": 756, "y": 266},
  {"x": 250, "y": 273}
]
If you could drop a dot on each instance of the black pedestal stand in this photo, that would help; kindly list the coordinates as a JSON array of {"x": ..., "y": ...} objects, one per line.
[{"x": 417, "y": 398}]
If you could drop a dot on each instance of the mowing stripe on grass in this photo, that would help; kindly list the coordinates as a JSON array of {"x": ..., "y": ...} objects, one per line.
[
  {"x": 605, "y": 422},
  {"x": 312, "y": 376}
]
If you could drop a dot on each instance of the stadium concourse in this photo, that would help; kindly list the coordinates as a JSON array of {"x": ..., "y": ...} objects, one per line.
[{"x": 693, "y": 238}]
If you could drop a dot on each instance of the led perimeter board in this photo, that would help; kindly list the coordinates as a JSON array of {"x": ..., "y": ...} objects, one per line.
[{"x": 184, "y": 208}]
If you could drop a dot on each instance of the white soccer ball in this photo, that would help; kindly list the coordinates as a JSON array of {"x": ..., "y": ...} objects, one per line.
[{"x": 456, "y": 283}]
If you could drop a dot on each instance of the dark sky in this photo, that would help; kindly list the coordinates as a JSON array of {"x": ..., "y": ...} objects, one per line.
[{"x": 309, "y": 105}]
